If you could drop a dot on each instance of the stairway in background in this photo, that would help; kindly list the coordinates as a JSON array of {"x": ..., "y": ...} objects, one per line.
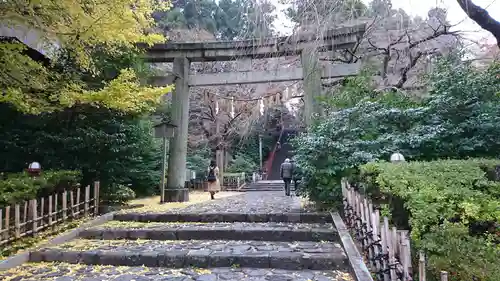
[
  {"x": 266, "y": 185},
  {"x": 279, "y": 158}
]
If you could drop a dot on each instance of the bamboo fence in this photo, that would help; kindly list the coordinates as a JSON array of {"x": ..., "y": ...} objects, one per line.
[
  {"x": 386, "y": 249},
  {"x": 32, "y": 216}
]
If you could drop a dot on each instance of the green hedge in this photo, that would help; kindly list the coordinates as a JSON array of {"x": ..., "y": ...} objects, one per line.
[
  {"x": 16, "y": 188},
  {"x": 452, "y": 207}
]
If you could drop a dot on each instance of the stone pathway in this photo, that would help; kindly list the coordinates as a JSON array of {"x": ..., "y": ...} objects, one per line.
[
  {"x": 255, "y": 236},
  {"x": 247, "y": 202}
]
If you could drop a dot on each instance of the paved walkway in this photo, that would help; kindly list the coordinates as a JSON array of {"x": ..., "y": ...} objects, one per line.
[
  {"x": 247, "y": 202},
  {"x": 247, "y": 237}
]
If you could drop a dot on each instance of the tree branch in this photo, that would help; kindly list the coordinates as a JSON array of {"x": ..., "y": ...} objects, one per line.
[
  {"x": 331, "y": 84},
  {"x": 481, "y": 17}
]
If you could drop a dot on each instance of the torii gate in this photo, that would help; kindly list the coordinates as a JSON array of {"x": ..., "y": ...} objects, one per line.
[{"x": 182, "y": 54}]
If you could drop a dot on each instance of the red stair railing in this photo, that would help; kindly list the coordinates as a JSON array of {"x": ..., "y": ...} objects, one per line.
[{"x": 269, "y": 162}]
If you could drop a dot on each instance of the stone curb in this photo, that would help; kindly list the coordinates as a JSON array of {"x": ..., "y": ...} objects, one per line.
[
  {"x": 197, "y": 258},
  {"x": 221, "y": 233},
  {"x": 357, "y": 265},
  {"x": 224, "y": 217},
  {"x": 21, "y": 258}
]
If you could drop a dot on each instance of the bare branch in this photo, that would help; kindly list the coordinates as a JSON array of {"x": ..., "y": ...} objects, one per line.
[
  {"x": 333, "y": 83},
  {"x": 481, "y": 17}
]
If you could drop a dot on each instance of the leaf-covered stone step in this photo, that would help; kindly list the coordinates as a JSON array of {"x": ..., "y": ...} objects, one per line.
[
  {"x": 215, "y": 231},
  {"x": 224, "y": 217},
  {"x": 198, "y": 253},
  {"x": 79, "y": 272}
]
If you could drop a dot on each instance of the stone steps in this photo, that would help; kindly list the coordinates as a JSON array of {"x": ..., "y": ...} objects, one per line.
[
  {"x": 266, "y": 185},
  {"x": 256, "y": 236},
  {"x": 225, "y": 217},
  {"x": 83, "y": 272},
  {"x": 213, "y": 231},
  {"x": 198, "y": 253}
]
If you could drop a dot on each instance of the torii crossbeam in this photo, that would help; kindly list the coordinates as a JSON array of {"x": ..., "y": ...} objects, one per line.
[
  {"x": 182, "y": 54},
  {"x": 340, "y": 38}
]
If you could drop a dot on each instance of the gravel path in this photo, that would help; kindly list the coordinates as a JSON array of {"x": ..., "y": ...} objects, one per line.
[{"x": 70, "y": 272}]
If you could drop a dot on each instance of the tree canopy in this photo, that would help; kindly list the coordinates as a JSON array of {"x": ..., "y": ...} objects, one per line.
[
  {"x": 226, "y": 19},
  {"x": 73, "y": 28}
]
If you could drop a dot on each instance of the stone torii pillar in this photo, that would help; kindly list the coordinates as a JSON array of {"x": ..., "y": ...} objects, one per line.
[
  {"x": 176, "y": 178},
  {"x": 312, "y": 82}
]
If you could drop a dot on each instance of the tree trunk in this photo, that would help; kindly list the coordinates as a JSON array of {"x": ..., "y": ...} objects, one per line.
[{"x": 481, "y": 17}]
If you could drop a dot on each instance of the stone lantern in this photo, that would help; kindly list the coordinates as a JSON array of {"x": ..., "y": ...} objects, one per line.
[
  {"x": 34, "y": 169},
  {"x": 397, "y": 157},
  {"x": 165, "y": 131}
]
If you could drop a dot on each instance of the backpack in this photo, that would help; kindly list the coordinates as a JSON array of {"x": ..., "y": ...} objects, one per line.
[{"x": 211, "y": 175}]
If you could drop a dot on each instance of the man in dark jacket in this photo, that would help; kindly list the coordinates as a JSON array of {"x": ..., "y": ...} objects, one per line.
[{"x": 286, "y": 173}]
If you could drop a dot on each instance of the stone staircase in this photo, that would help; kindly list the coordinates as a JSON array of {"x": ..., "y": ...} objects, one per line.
[
  {"x": 266, "y": 185},
  {"x": 255, "y": 236}
]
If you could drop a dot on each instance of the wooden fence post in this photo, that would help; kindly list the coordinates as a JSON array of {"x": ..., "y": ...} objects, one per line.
[
  {"x": 421, "y": 267},
  {"x": 96, "y": 197},
  {"x": 385, "y": 247},
  {"x": 34, "y": 216},
  {"x": 375, "y": 235},
  {"x": 42, "y": 203},
  {"x": 65, "y": 205},
  {"x": 392, "y": 249},
  {"x": 55, "y": 207},
  {"x": 25, "y": 213},
  {"x": 87, "y": 199},
  {"x": 78, "y": 191},
  {"x": 50, "y": 209},
  {"x": 7, "y": 222},
  {"x": 72, "y": 203},
  {"x": 17, "y": 220}
]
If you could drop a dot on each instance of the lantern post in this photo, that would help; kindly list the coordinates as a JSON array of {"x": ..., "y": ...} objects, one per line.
[{"x": 164, "y": 131}]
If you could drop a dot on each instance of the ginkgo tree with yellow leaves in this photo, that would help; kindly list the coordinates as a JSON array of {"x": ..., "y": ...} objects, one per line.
[{"x": 77, "y": 27}]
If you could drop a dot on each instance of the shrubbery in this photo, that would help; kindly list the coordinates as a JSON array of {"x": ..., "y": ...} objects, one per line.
[
  {"x": 459, "y": 118},
  {"x": 452, "y": 209},
  {"x": 16, "y": 188},
  {"x": 449, "y": 204},
  {"x": 117, "y": 194},
  {"x": 242, "y": 163}
]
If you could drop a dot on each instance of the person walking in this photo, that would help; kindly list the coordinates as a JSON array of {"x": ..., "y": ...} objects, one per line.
[
  {"x": 286, "y": 173},
  {"x": 213, "y": 179}
]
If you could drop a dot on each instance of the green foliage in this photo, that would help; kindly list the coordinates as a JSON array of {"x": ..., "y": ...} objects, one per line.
[
  {"x": 352, "y": 135},
  {"x": 452, "y": 209},
  {"x": 458, "y": 119},
  {"x": 452, "y": 205},
  {"x": 437, "y": 190},
  {"x": 242, "y": 163},
  {"x": 16, "y": 188},
  {"x": 465, "y": 257},
  {"x": 117, "y": 194},
  {"x": 106, "y": 145},
  {"x": 33, "y": 85},
  {"x": 226, "y": 19},
  {"x": 328, "y": 11},
  {"x": 249, "y": 148},
  {"x": 102, "y": 144},
  {"x": 198, "y": 160}
]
